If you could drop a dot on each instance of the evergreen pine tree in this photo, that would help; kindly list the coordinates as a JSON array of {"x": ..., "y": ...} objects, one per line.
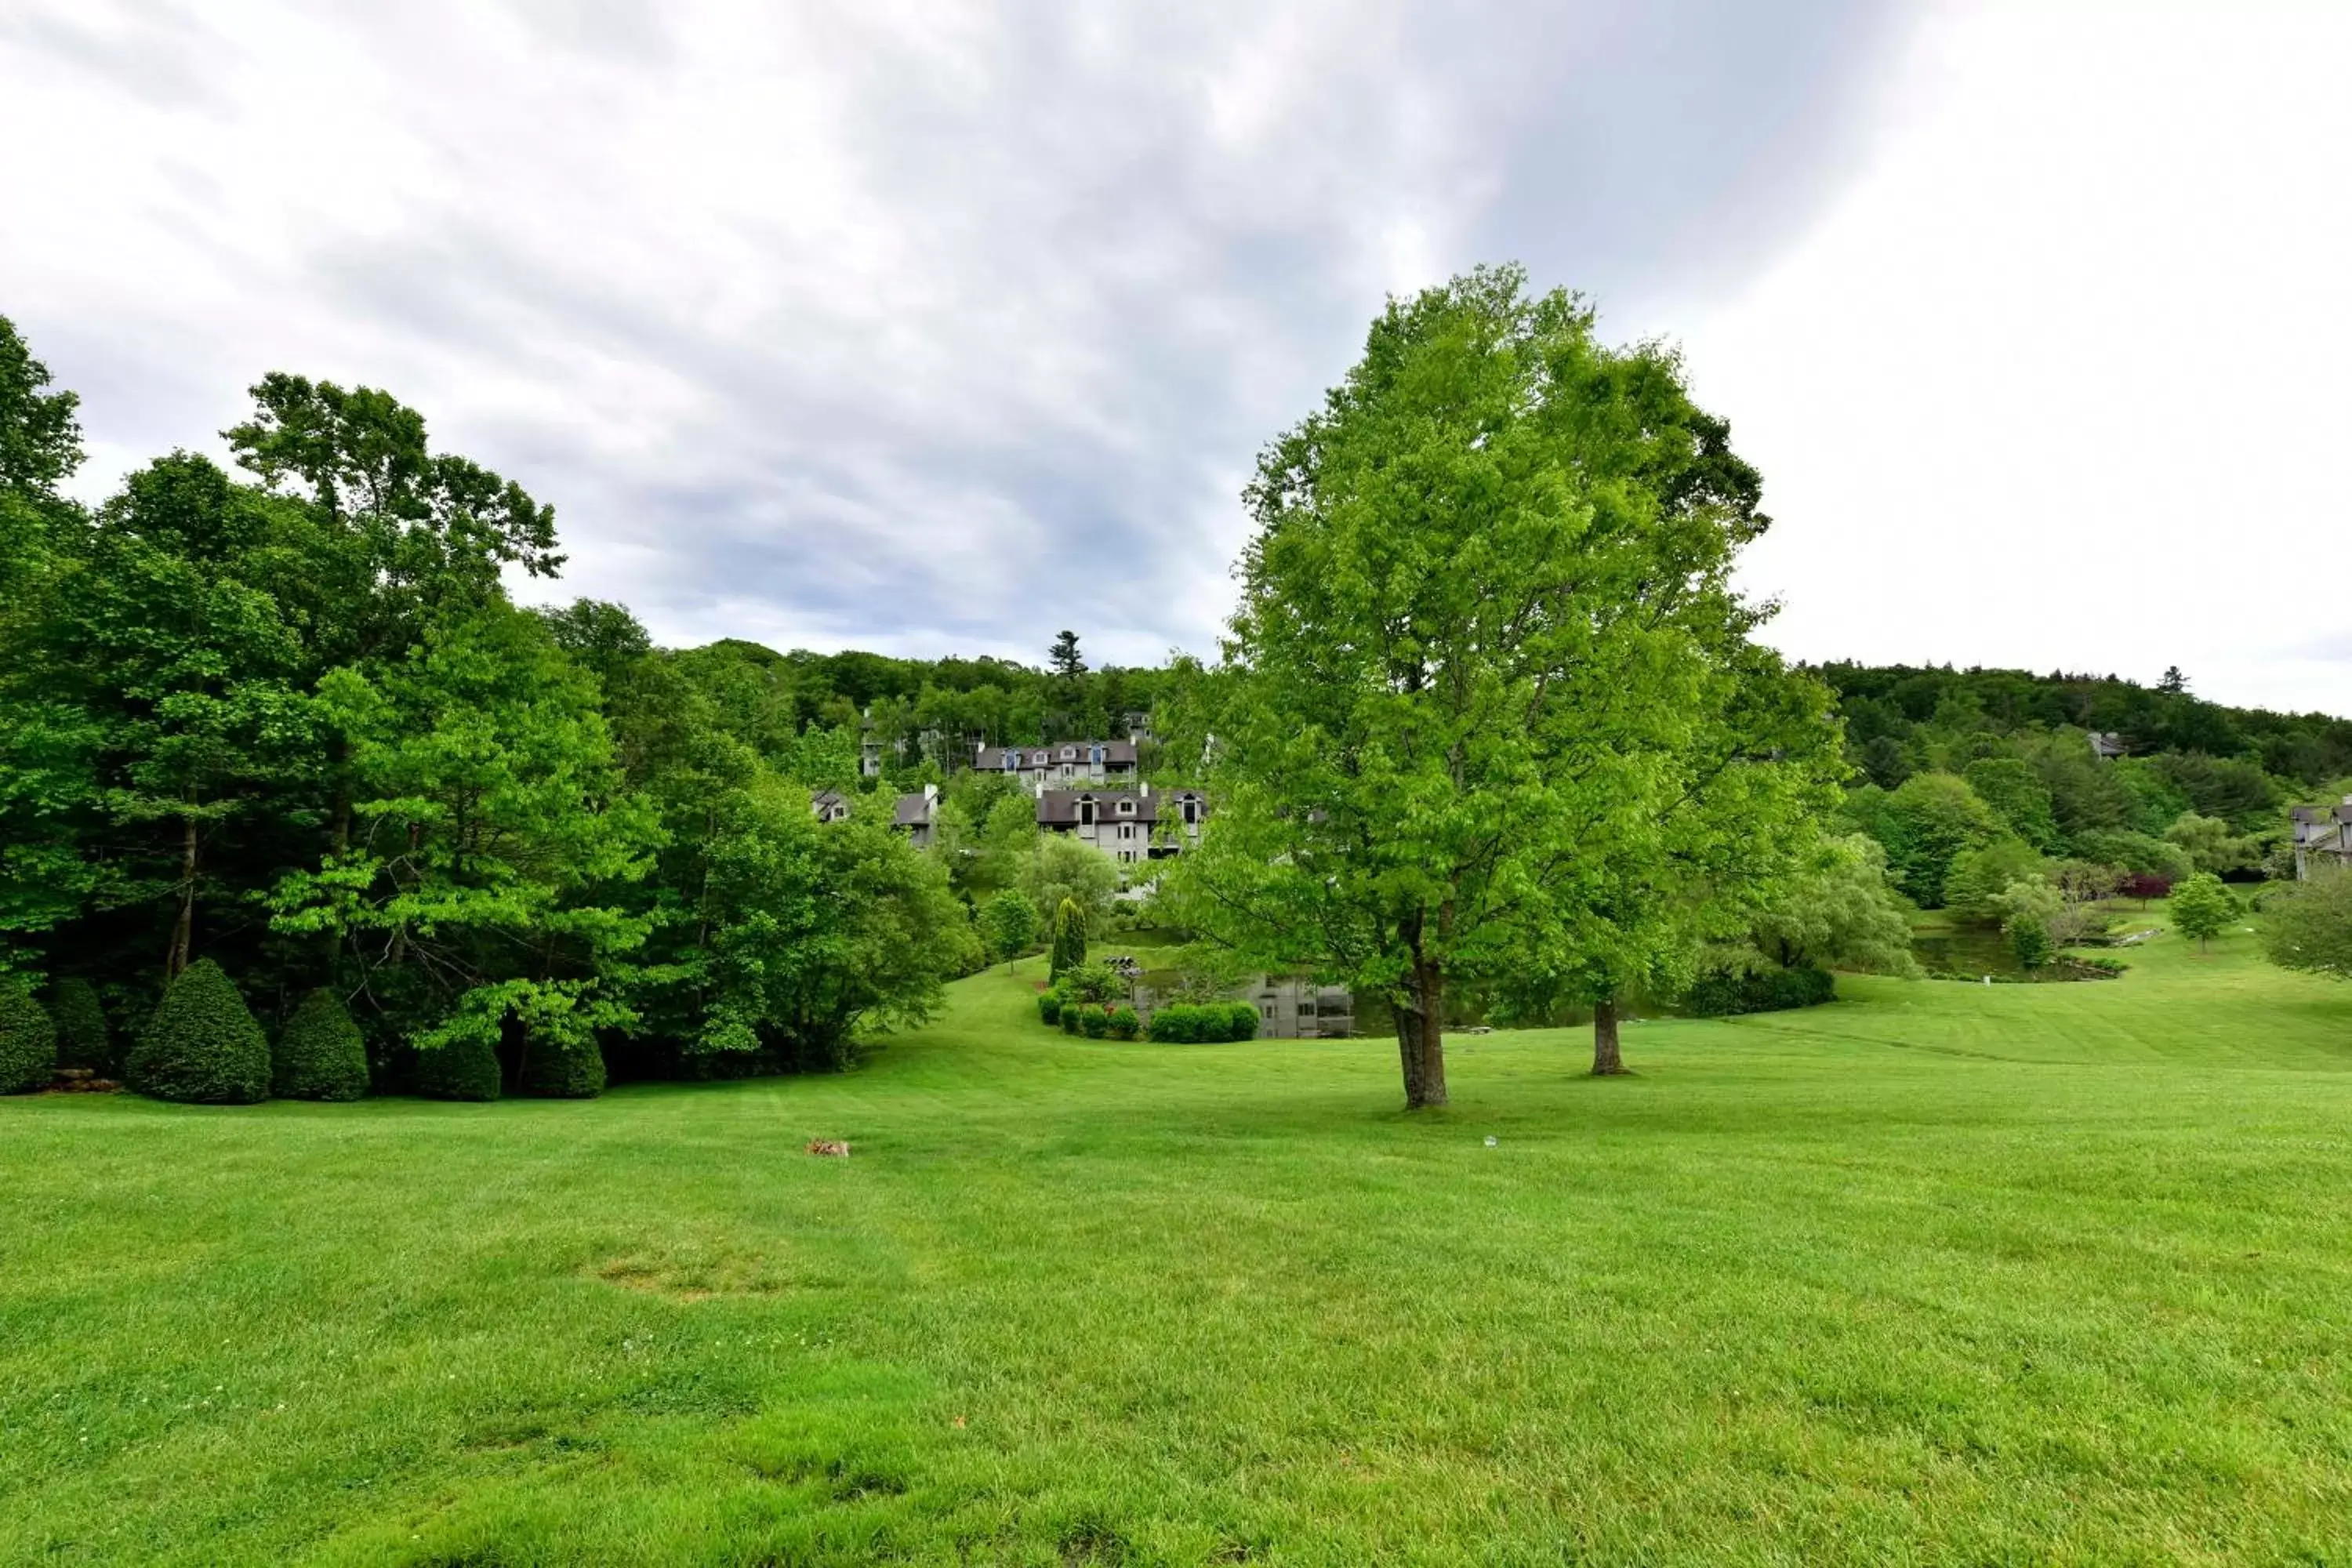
[
  {"x": 320, "y": 1054},
  {"x": 1069, "y": 938},
  {"x": 202, "y": 1047},
  {"x": 29, "y": 1040}
]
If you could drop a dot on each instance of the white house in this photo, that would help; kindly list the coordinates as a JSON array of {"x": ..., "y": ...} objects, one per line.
[
  {"x": 1040, "y": 768},
  {"x": 2322, "y": 835}
]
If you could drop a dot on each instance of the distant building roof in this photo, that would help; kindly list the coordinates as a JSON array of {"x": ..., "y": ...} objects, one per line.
[
  {"x": 1116, "y": 753},
  {"x": 1059, "y": 807},
  {"x": 2107, "y": 744},
  {"x": 913, "y": 810}
]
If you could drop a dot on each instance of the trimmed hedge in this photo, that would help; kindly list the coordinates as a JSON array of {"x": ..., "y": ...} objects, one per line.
[
  {"x": 1724, "y": 992},
  {"x": 1094, "y": 1022},
  {"x": 1049, "y": 1005},
  {"x": 1069, "y": 1018},
  {"x": 1205, "y": 1023},
  {"x": 1123, "y": 1023},
  {"x": 29, "y": 1040},
  {"x": 203, "y": 1048},
  {"x": 83, "y": 1038},
  {"x": 462, "y": 1069},
  {"x": 561, "y": 1072},
  {"x": 320, "y": 1054}
]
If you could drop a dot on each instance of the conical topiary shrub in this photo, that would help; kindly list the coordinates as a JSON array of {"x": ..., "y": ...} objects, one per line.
[
  {"x": 83, "y": 1039},
  {"x": 320, "y": 1054},
  {"x": 551, "y": 1071},
  {"x": 461, "y": 1069},
  {"x": 202, "y": 1047},
  {"x": 29, "y": 1040}
]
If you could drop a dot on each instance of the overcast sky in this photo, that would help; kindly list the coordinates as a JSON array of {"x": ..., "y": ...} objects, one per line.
[{"x": 932, "y": 327}]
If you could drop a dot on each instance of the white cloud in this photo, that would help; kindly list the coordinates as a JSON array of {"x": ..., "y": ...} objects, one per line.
[{"x": 2059, "y": 380}]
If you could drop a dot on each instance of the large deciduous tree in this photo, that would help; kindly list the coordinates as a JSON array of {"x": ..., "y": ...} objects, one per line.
[
  {"x": 1488, "y": 710},
  {"x": 2309, "y": 926}
]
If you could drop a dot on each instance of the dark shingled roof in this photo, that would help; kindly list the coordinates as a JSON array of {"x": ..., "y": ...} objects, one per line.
[
  {"x": 1059, "y": 807},
  {"x": 910, "y": 812},
  {"x": 1116, "y": 753}
]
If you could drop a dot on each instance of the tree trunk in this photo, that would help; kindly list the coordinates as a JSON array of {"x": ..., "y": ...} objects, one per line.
[
  {"x": 1421, "y": 1038},
  {"x": 1606, "y": 1062},
  {"x": 183, "y": 928}
]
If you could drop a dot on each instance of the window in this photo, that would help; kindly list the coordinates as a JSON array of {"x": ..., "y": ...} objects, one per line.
[
  {"x": 1068, "y": 752},
  {"x": 1127, "y": 808}
]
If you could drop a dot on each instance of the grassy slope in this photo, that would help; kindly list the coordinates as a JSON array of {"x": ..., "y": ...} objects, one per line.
[{"x": 1940, "y": 1274}]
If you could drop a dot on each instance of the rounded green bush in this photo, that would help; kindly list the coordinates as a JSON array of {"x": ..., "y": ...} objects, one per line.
[
  {"x": 320, "y": 1054},
  {"x": 562, "y": 1072},
  {"x": 1049, "y": 1005},
  {"x": 83, "y": 1039},
  {"x": 1123, "y": 1023},
  {"x": 1092, "y": 1021},
  {"x": 1068, "y": 1017},
  {"x": 462, "y": 1069},
  {"x": 29, "y": 1040},
  {"x": 203, "y": 1048},
  {"x": 1241, "y": 1021}
]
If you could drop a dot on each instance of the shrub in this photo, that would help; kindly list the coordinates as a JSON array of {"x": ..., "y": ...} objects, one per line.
[
  {"x": 1069, "y": 1017},
  {"x": 83, "y": 1040},
  {"x": 562, "y": 1071},
  {"x": 29, "y": 1040},
  {"x": 1192, "y": 1022},
  {"x": 464, "y": 1068},
  {"x": 1093, "y": 1021},
  {"x": 1123, "y": 1023},
  {"x": 1724, "y": 992},
  {"x": 202, "y": 1047},
  {"x": 1097, "y": 983},
  {"x": 320, "y": 1054},
  {"x": 1049, "y": 1005}
]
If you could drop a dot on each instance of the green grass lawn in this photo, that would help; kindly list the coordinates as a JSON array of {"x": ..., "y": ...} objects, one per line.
[{"x": 1941, "y": 1273}]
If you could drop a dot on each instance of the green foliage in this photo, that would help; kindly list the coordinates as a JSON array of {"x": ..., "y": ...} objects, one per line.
[
  {"x": 465, "y": 1068},
  {"x": 1096, "y": 983},
  {"x": 1192, "y": 1022},
  {"x": 2136, "y": 853},
  {"x": 1842, "y": 913},
  {"x": 1924, "y": 825},
  {"x": 28, "y": 1039},
  {"x": 2203, "y": 907},
  {"x": 2018, "y": 797},
  {"x": 562, "y": 1068},
  {"x": 1059, "y": 869},
  {"x": 1978, "y": 878},
  {"x": 2309, "y": 925},
  {"x": 1008, "y": 923},
  {"x": 1068, "y": 1017},
  {"x": 202, "y": 1047},
  {"x": 1094, "y": 1020},
  {"x": 492, "y": 836},
  {"x": 1069, "y": 936},
  {"x": 320, "y": 1054},
  {"x": 1049, "y": 1004},
  {"x": 1725, "y": 992},
  {"x": 2028, "y": 907},
  {"x": 1122, "y": 1023},
  {"x": 2211, "y": 845},
  {"x": 84, "y": 1040},
  {"x": 1489, "y": 710}
]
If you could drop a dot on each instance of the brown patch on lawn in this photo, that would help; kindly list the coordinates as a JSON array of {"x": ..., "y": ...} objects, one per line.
[{"x": 695, "y": 1276}]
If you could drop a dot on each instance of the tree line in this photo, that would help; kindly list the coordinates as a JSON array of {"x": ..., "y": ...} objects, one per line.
[{"x": 289, "y": 720}]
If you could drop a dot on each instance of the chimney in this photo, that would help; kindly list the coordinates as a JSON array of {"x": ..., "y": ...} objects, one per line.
[{"x": 931, "y": 794}]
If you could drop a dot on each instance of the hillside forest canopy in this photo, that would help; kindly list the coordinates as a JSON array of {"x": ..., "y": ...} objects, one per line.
[{"x": 1489, "y": 721}]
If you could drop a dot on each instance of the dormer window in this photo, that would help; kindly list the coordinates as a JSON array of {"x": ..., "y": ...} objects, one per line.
[
  {"x": 1086, "y": 811},
  {"x": 1127, "y": 808},
  {"x": 1069, "y": 752}
]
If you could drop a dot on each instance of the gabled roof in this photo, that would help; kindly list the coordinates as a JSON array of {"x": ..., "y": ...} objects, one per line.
[
  {"x": 913, "y": 810},
  {"x": 1116, "y": 753},
  {"x": 1059, "y": 807}
]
